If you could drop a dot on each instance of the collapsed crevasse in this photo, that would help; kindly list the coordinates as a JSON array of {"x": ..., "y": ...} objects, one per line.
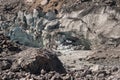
[{"x": 81, "y": 29}]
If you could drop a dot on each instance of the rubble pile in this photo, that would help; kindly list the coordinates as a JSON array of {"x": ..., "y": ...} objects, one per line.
[
  {"x": 102, "y": 73},
  {"x": 7, "y": 45}
]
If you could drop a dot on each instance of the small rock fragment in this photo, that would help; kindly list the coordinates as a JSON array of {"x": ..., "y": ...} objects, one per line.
[{"x": 44, "y": 2}]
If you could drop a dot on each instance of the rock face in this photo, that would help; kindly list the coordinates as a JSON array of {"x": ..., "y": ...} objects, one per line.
[
  {"x": 29, "y": 28},
  {"x": 86, "y": 25},
  {"x": 92, "y": 23},
  {"x": 34, "y": 60}
]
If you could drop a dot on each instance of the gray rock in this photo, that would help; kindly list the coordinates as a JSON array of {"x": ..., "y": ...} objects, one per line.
[
  {"x": 5, "y": 77},
  {"x": 35, "y": 13},
  {"x": 43, "y": 71},
  {"x": 29, "y": 19},
  {"x": 20, "y": 15},
  {"x": 5, "y": 65},
  {"x": 44, "y": 2},
  {"x": 4, "y": 25},
  {"x": 40, "y": 24},
  {"x": 49, "y": 76},
  {"x": 2, "y": 18},
  {"x": 56, "y": 77},
  {"x": 35, "y": 16},
  {"x": 50, "y": 15},
  {"x": 66, "y": 77},
  {"x": 114, "y": 69},
  {"x": 54, "y": 24},
  {"x": 46, "y": 38},
  {"x": 101, "y": 73}
]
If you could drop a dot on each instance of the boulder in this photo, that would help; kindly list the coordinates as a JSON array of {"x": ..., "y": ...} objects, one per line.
[{"x": 34, "y": 60}]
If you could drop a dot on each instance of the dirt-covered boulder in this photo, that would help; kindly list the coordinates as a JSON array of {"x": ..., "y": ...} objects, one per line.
[{"x": 34, "y": 60}]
